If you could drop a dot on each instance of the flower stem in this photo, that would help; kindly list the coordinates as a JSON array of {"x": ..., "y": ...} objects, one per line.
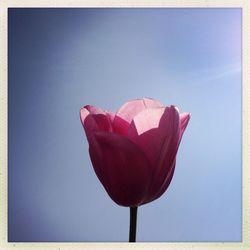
[{"x": 132, "y": 227}]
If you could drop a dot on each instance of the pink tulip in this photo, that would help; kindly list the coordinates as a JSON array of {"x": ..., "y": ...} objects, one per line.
[{"x": 133, "y": 151}]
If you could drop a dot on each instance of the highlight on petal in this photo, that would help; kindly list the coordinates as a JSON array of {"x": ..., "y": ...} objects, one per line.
[
  {"x": 83, "y": 114},
  {"x": 129, "y": 110},
  {"x": 151, "y": 103},
  {"x": 152, "y": 127},
  {"x": 126, "y": 172},
  {"x": 146, "y": 120}
]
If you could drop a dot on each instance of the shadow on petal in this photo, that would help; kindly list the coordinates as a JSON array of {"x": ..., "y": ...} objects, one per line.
[{"x": 125, "y": 171}]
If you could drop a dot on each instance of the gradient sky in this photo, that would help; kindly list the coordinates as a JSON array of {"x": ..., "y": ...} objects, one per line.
[{"x": 63, "y": 59}]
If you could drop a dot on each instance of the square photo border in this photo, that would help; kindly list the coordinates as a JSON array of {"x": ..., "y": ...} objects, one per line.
[{"x": 243, "y": 4}]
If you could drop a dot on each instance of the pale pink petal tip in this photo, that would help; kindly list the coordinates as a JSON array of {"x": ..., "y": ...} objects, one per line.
[
  {"x": 184, "y": 119},
  {"x": 150, "y": 102},
  {"x": 93, "y": 109},
  {"x": 83, "y": 114}
]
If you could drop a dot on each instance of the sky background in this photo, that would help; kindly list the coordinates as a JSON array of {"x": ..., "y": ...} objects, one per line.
[{"x": 63, "y": 59}]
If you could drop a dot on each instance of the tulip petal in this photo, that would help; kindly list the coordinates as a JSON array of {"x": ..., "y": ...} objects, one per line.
[
  {"x": 167, "y": 175},
  {"x": 89, "y": 110},
  {"x": 167, "y": 152},
  {"x": 129, "y": 110},
  {"x": 94, "y": 110},
  {"x": 111, "y": 116},
  {"x": 145, "y": 133},
  {"x": 96, "y": 159},
  {"x": 97, "y": 120},
  {"x": 125, "y": 170},
  {"x": 184, "y": 119},
  {"x": 98, "y": 116},
  {"x": 144, "y": 121},
  {"x": 120, "y": 126},
  {"x": 151, "y": 103},
  {"x": 83, "y": 114},
  {"x": 164, "y": 185},
  {"x": 151, "y": 128}
]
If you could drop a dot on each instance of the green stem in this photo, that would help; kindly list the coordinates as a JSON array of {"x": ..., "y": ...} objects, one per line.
[{"x": 132, "y": 227}]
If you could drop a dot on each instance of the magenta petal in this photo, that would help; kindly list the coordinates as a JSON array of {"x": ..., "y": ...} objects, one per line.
[
  {"x": 129, "y": 110},
  {"x": 94, "y": 110},
  {"x": 93, "y": 122},
  {"x": 184, "y": 119},
  {"x": 88, "y": 123},
  {"x": 151, "y": 128},
  {"x": 96, "y": 158},
  {"x": 111, "y": 116},
  {"x": 146, "y": 133},
  {"x": 120, "y": 126},
  {"x": 147, "y": 119},
  {"x": 83, "y": 114},
  {"x": 90, "y": 110},
  {"x": 126, "y": 172},
  {"x": 164, "y": 185},
  {"x": 103, "y": 122},
  {"x": 167, "y": 153}
]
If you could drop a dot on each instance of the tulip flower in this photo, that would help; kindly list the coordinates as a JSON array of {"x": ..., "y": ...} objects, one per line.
[{"x": 133, "y": 151}]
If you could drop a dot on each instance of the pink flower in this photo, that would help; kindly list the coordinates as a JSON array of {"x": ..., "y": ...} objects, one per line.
[{"x": 133, "y": 151}]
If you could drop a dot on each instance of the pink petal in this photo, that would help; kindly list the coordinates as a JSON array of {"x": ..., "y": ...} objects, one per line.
[
  {"x": 164, "y": 185},
  {"x": 151, "y": 128},
  {"x": 167, "y": 152},
  {"x": 184, "y": 119},
  {"x": 120, "y": 126},
  {"x": 111, "y": 116},
  {"x": 151, "y": 103},
  {"x": 167, "y": 173},
  {"x": 145, "y": 133},
  {"x": 123, "y": 168},
  {"x": 83, "y": 114},
  {"x": 94, "y": 110},
  {"x": 144, "y": 121},
  {"x": 89, "y": 109},
  {"x": 102, "y": 122},
  {"x": 96, "y": 158},
  {"x": 129, "y": 110},
  {"x": 94, "y": 121}
]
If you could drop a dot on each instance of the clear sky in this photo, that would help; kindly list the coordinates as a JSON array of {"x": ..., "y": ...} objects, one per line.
[{"x": 63, "y": 59}]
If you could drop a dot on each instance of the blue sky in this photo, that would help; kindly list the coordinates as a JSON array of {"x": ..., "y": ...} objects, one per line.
[{"x": 63, "y": 59}]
